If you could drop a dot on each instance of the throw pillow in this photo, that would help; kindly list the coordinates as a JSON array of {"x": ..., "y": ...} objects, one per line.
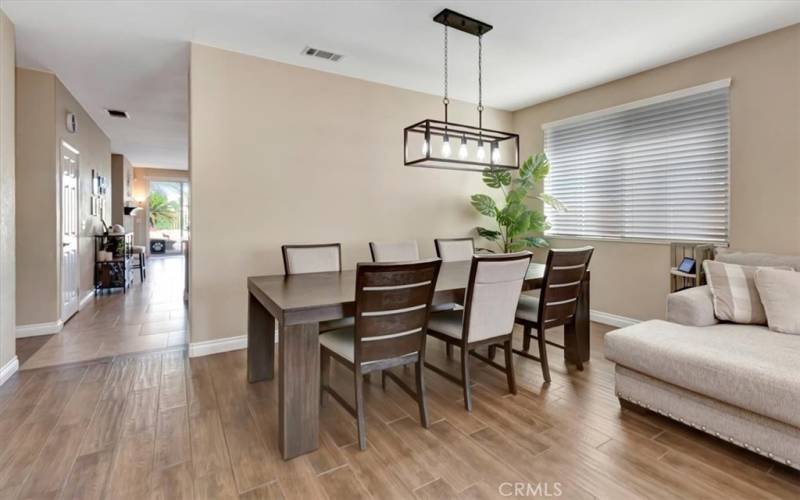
[
  {"x": 780, "y": 296},
  {"x": 735, "y": 294}
]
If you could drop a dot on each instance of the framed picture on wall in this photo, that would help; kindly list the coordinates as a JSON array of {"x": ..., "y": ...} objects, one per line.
[{"x": 95, "y": 184}]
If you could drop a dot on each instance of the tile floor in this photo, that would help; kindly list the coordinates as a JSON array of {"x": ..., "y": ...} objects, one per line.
[{"x": 150, "y": 316}]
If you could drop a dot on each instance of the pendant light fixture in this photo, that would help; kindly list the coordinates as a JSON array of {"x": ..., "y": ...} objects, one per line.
[{"x": 432, "y": 143}]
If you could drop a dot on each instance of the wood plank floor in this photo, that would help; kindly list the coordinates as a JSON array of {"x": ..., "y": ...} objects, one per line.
[
  {"x": 150, "y": 316},
  {"x": 159, "y": 425}
]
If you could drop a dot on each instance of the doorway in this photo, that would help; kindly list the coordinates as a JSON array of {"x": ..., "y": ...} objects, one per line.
[
  {"x": 70, "y": 266},
  {"x": 168, "y": 216}
]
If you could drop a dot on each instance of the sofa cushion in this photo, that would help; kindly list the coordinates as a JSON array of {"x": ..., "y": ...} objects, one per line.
[
  {"x": 757, "y": 259},
  {"x": 744, "y": 365},
  {"x": 780, "y": 296},
  {"x": 735, "y": 295}
]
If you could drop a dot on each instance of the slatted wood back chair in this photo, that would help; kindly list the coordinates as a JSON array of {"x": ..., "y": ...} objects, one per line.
[
  {"x": 493, "y": 290},
  {"x": 316, "y": 258},
  {"x": 454, "y": 249},
  {"x": 392, "y": 306},
  {"x": 401, "y": 251},
  {"x": 556, "y": 304}
]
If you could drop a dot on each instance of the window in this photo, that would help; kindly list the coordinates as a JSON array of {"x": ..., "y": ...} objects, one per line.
[{"x": 653, "y": 170}]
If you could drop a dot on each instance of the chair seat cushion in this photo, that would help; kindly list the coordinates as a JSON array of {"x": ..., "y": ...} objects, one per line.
[
  {"x": 335, "y": 324},
  {"x": 528, "y": 307},
  {"x": 747, "y": 366},
  {"x": 138, "y": 249},
  {"x": 447, "y": 322},
  {"x": 341, "y": 341}
]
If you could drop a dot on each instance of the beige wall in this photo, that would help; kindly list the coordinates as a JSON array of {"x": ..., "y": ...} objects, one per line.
[
  {"x": 95, "y": 149},
  {"x": 42, "y": 105},
  {"x": 281, "y": 154},
  {"x": 631, "y": 279},
  {"x": 37, "y": 192},
  {"x": 121, "y": 189},
  {"x": 7, "y": 192}
]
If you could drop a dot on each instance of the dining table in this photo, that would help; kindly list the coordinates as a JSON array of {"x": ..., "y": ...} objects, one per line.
[{"x": 298, "y": 303}]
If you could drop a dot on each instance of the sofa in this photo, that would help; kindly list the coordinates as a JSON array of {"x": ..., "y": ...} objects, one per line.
[{"x": 740, "y": 383}]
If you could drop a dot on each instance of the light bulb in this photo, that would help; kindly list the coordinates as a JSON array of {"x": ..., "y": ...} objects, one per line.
[
  {"x": 462, "y": 150},
  {"x": 495, "y": 154},
  {"x": 446, "y": 147},
  {"x": 481, "y": 151},
  {"x": 425, "y": 147}
]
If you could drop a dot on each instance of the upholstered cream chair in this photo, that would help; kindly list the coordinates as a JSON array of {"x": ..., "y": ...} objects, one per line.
[
  {"x": 555, "y": 305},
  {"x": 402, "y": 251},
  {"x": 454, "y": 249},
  {"x": 493, "y": 290},
  {"x": 322, "y": 258}
]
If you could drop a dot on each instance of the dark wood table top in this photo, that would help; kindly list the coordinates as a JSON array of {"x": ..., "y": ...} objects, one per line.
[{"x": 314, "y": 297}]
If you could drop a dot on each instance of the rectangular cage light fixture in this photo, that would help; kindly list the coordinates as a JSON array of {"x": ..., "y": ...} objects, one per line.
[
  {"x": 439, "y": 144},
  {"x": 455, "y": 146}
]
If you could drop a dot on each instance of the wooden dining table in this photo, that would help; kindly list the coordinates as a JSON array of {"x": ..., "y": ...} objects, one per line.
[{"x": 298, "y": 303}]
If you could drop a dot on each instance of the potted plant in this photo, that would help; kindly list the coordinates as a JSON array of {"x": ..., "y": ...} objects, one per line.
[{"x": 516, "y": 221}]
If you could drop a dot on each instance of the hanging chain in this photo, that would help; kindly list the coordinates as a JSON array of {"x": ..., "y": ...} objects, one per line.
[
  {"x": 445, "y": 100},
  {"x": 480, "y": 81}
]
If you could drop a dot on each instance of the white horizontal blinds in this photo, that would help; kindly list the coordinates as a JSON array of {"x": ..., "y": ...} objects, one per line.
[{"x": 658, "y": 171}]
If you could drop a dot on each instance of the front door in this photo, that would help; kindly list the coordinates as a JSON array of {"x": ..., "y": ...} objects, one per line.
[{"x": 69, "y": 231}]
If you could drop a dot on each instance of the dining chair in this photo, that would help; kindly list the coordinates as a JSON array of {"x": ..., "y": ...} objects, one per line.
[
  {"x": 392, "y": 309},
  {"x": 402, "y": 251},
  {"x": 493, "y": 290},
  {"x": 454, "y": 249},
  {"x": 554, "y": 306},
  {"x": 317, "y": 258}
]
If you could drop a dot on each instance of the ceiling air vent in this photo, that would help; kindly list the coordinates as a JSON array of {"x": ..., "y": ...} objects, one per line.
[
  {"x": 322, "y": 54},
  {"x": 118, "y": 113}
]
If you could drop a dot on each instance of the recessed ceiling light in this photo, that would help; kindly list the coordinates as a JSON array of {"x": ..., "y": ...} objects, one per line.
[{"x": 118, "y": 113}]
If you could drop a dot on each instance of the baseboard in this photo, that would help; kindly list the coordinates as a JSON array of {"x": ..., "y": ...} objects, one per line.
[
  {"x": 9, "y": 369},
  {"x": 39, "y": 329},
  {"x": 612, "y": 319},
  {"x": 197, "y": 349},
  {"x": 85, "y": 300}
]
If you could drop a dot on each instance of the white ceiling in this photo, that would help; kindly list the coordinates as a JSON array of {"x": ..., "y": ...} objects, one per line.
[{"x": 133, "y": 55}]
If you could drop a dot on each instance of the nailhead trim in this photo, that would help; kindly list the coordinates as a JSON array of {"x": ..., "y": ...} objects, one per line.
[{"x": 705, "y": 429}]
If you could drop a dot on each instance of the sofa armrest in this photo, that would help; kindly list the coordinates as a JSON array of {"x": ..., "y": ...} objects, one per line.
[{"x": 692, "y": 307}]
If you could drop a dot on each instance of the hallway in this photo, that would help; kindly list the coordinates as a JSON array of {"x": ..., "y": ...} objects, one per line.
[{"x": 150, "y": 316}]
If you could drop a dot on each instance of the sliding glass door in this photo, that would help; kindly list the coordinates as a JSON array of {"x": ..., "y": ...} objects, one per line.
[{"x": 168, "y": 216}]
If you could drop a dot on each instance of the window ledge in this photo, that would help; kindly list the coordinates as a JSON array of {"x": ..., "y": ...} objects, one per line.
[{"x": 631, "y": 240}]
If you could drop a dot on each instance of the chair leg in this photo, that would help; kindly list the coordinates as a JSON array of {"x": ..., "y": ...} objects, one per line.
[
  {"x": 324, "y": 376},
  {"x": 141, "y": 267},
  {"x": 526, "y": 339},
  {"x": 362, "y": 424},
  {"x": 512, "y": 382},
  {"x": 543, "y": 355},
  {"x": 492, "y": 351},
  {"x": 423, "y": 407},
  {"x": 448, "y": 348},
  {"x": 465, "y": 378}
]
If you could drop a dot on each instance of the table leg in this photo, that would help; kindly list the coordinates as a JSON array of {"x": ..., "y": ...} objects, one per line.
[
  {"x": 260, "y": 342},
  {"x": 576, "y": 333},
  {"x": 298, "y": 396}
]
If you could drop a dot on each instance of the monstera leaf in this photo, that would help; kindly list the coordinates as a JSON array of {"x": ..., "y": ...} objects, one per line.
[
  {"x": 496, "y": 178},
  {"x": 484, "y": 204}
]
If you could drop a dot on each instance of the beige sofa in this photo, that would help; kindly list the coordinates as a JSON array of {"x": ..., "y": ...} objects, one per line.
[{"x": 740, "y": 383}]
